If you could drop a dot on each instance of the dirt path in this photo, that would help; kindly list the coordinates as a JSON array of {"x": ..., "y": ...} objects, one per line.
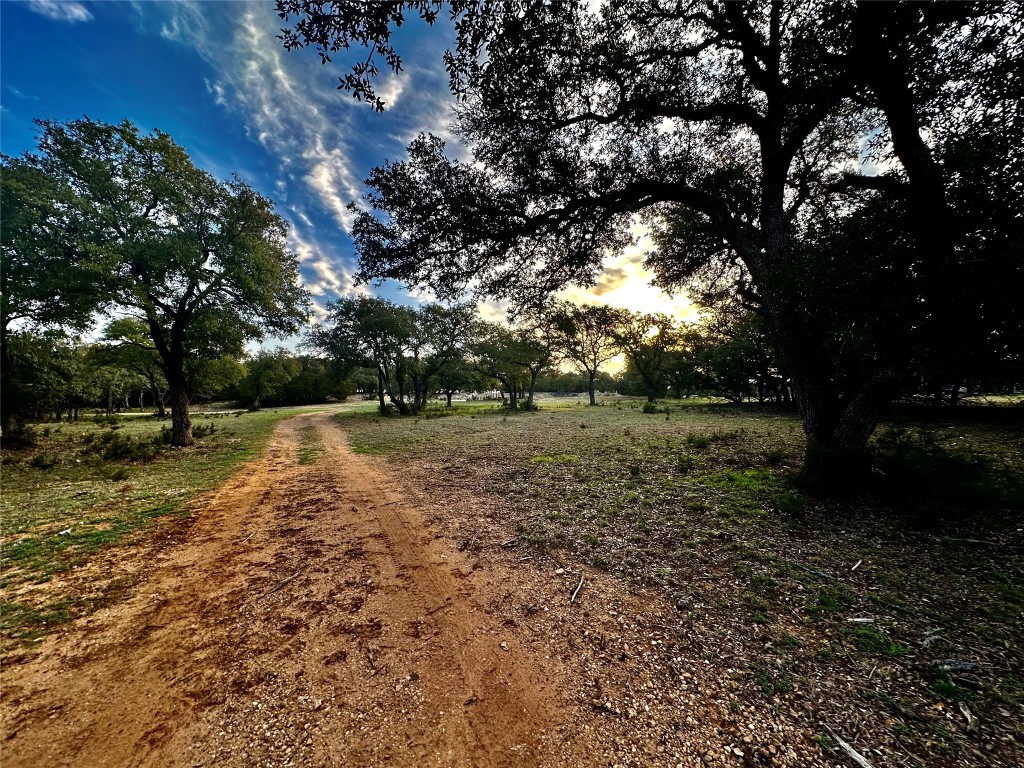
[{"x": 308, "y": 617}]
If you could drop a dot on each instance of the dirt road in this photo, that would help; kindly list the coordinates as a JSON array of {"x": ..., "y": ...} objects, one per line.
[{"x": 306, "y": 616}]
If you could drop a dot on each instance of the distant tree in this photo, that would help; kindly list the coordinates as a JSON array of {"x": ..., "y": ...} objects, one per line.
[
  {"x": 645, "y": 340},
  {"x": 440, "y": 337},
  {"x": 47, "y": 374},
  {"x": 585, "y": 335},
  {"x": 514, "y": 357},
  {"x": 208, "y": 377},
  {"x": 266, "y": 373},
  {"x": 317, "y": 381},
  {"x": 682, "y": 364},
  {"x": 203, "y": 263},
  {"x": 128, "y": 344},
  {"x": 365, "y": 332},
  {"x": 456, "y": 376}
]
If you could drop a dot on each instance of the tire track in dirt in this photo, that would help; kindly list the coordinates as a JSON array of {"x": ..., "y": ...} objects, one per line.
[{"x": 309, "y": 617}]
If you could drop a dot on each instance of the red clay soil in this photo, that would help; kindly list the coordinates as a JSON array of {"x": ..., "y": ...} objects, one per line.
[{"x": 309, "y": 618}]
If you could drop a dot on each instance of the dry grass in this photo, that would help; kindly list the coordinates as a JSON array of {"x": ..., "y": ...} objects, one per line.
[{"x": 849, "y": 608}]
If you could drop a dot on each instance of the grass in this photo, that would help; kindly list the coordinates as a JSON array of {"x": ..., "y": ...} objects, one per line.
[
  {"x": 310, "y": 447},
  {"x": 103, "y": 483},
  {"x": 700, "y": 504},
  {"x": 706, "y": 506}
]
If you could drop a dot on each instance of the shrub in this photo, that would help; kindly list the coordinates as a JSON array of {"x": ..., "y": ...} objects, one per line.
[
  {"x": 43, "y": 461},
  {"x": 204, "y": 430},
  {"x": 124, "y": 448},
  {"x": 698, "y": 442},
  {"x": 650, "y": 408}
]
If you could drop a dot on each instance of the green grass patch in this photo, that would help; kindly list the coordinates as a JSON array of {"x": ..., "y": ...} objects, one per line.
[
  {"x": 869, "y": 639},
  {"x": 310, "y": 446},
  {"x": 21, "y": 622},
  {"x": 558, "y": 458}
]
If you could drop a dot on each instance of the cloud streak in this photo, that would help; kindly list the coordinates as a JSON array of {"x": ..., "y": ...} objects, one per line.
[
  {"x": 61, "y": 10},
  {"x": 284, "y": 107}
]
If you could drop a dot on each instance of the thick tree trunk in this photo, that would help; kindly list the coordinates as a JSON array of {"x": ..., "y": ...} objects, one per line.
[
  {"x": 448, "y": 395},
  {"x": 533, "y": 384},
  {"x": 8, "y": 413},
  {"x": 181, "y": 424},
  {"x": 590, "y": 387}
]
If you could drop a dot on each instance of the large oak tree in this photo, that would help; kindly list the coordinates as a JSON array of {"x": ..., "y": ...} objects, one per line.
[
  {"x": 203, "y": 263},
  {"x": 737, "y": 130}
]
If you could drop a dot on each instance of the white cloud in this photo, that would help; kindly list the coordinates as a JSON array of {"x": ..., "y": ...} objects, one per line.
[
  {"x": 61, "y": 10},
  {"x": 295, "y": 115},
  {"x": 329, "y": 278}
]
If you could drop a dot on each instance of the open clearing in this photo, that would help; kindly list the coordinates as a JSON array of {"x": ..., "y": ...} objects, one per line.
[{"x": 409, "y": 603}]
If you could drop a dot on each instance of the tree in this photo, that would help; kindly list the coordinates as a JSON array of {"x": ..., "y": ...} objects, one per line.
[
  {"x": 266, "y": 373},
  {"x": 727, "y": 126},
  {"x": 48, "y": 374},
  {"x": 456, "y": 376},
  {"x": 585, "y": 335},
  {"x": 366, "y": 332},
  {"x": 440, "y": 337},
  {"x": 43, "y": 282},
  {"x": 513, "y": 356},
  {"x": 128, "y": 344},
  {"x": 645, "y": 339},
  {"x": 203, "y": 263}
]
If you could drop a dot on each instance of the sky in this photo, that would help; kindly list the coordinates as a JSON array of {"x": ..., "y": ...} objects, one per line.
[{"x": 215, "y": 77}]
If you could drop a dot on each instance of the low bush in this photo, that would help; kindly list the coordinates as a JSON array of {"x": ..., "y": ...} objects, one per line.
[{"x": 43, "y": 461}]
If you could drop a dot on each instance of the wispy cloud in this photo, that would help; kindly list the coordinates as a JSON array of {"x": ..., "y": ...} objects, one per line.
[
  {"x": 15, "y": 92},
  {"x": 322, "y": 140},
  {"x": 61, "y": 10},
  {"x": 325, "y": 277},
  {"x": 298, "y": 118}
]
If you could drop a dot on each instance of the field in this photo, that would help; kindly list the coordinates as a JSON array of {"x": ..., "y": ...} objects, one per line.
[
  {"x": 702, "y": 576},
  {"x": 912, "y": 611},
  {"x": 102, "y": 481}
]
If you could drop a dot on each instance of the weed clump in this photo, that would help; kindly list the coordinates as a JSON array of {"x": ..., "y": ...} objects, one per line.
[{"x": 43, "y": 461}]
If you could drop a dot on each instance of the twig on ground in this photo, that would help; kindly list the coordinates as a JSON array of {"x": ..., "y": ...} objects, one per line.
[
  {"x": 248, "y": 537},
  {"x": 856, "y": 756},
  {"x": 856, "y": 565},
  {"x": 436, "y": 608},
  {"x": 972, "y": 721},
  {"x": 820, "y": 574},
  {"x": 577, "y": 591},
  {"x": 280, "y": 585},
  {"x": 967, "y": 541}
]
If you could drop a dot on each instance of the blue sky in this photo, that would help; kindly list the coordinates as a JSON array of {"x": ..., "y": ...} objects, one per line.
[{"x": 213, "y": 75}]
